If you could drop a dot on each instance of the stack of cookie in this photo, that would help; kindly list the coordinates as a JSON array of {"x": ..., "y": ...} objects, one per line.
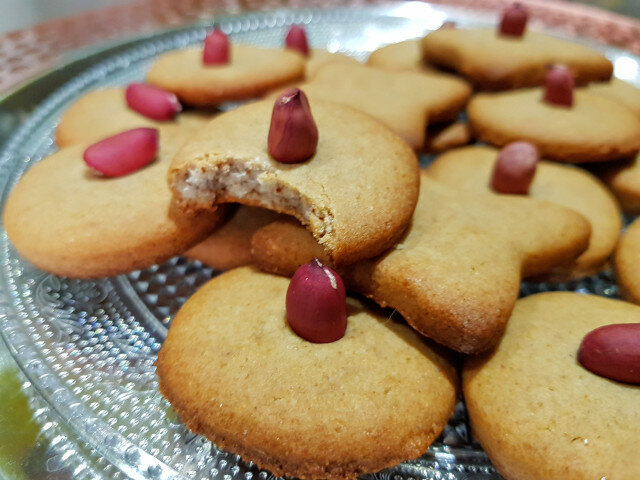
[{"x": 315, "y": 190}]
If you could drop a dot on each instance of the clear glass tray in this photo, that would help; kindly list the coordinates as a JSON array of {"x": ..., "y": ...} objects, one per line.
[{"x": 88, "y": 348}]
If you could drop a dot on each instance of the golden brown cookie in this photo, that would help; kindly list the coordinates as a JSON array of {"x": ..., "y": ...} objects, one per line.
[
  {"x": 318, "y": 58},
  {"x": 593, "y": 129},
  {"x": 229, "y": 246},
  {"x": 356, "y": 194},
  {"x": 71, "y": 222},
  {"x": 456, "y": 274},
  {"x": 446, "y": 136},
  {"x": 400, "y": 56},
  {"x": 627, "y": 261},
  {"x": 497, "y": 62},
  {"x": 618, "y": 91},
  {"x": 537, "y": 412},
  {"x": 404, "y": 101},
  {"x": 102, "y": 113},
  {"x": 376, "y": 397},
  {"x": 623, "y": 178},
  {"x": 470, "y": 168},
  {"x": 251, "y": 72}
]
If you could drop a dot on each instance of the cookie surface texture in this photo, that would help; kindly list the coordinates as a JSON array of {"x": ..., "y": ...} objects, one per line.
[
  {"x": 319, "y": 58},
  {"x": 376, "y": 397},
  {"x": 594, "y": 129},
  {"x": 356, "y": 194},
  {"x": 71, "y": 222},
  {"x": 563, "y": 421},
  {"x": 619, "y": 91},
  {"x": 470, "y": 168},
  {"x": 229, "y": 246},
  {"x": 623, "y": 179},
  {"x": 496, "y": 62},
  {"x": 627, "y": 261},
  {"x": 102, "y": 113},
  {"x": 406, "y": 101},
  {"x": 456, "y": 274},
  {"x": 251, "y": 72}
]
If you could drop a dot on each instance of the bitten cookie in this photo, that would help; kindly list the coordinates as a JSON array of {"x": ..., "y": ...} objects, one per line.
[
  {"x": 71, "y": 222},
  {"x": 619, "y": 91},
  {"x": 627, "y": 260},
  {"x": 456, "y": 274},
  {"x": 537, "y": 412},
  {"x": 470, "y": 168},
  {"x": 102, "y": 113},
  {"x": 593, "y": 129},
  {"x": 251, "y": 72},
  {"x": 496, "y": 62},
  {"x": 623, "y": 178},
  {"x": 376, "y": 397},
  {"x": 229, "y": 246},
  {"x": 404, "y": 101},
  {"x": 356, "y": 194}
]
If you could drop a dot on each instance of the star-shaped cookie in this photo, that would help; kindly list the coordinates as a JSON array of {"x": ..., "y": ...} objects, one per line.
[
  {"x": 404, "y": 101},
  {"x": 455, "y": 276}
]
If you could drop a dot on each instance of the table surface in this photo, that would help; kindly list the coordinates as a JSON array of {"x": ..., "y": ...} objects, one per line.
[{"x": 25, "y": 53}]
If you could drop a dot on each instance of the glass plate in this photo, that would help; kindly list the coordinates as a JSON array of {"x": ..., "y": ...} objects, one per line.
[{"x": 88, "y": 348}]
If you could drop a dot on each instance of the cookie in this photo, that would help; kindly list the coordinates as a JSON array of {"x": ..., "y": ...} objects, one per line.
[
  {"x": 318, "y": 58},
  {"x": 456, "y": 274},
  {"x": 470, "y": 168},
  {"x": 401, "y": 56},
  {"x": 356, "y": 194},
  {"x": 593, "y": 129},
  {"x": 71, "y": 222},
  {"x": 251, "y": 72},
  {"x": 229, "y": 246},
  {"x": 102, "y": 113},
  {"x": 446, "y": 136},
  {"x": 623, "y": 179},
  {"x": 491, "y": 61},
  {"x": 537, "y": 412},
  {"x": 618, "y": 91},
  {"x": 376, "y": 397},
  {"x": 404, "y": 101},
  {"x": 627, "y": 260}
]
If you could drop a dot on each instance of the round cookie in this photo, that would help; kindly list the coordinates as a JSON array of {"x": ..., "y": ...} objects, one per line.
[
  {"x": 470, "y": 168},
  {"x": 619, "y": 91},
  {"x": 593, "y": 129},
  {"x": 627, "y": 260},
  {"x": 495, "y": 62},
  {"x": 376, "y": 397},
  {"x": 230, "y": 245},
  {"x": 71, "y": 222},
  {"x": 102, "y": 113},
  {"x": 623, "y": 179},
  {"x": 356, "y": 194},
  {"x": 251, "y": 72},
  {"x": 537, "y": 412}
]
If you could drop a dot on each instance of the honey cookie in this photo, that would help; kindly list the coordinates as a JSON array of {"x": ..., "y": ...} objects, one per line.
[
  {"x": 356, "y": 194},
  {"x": 618, "y": 91},
  {"x": 627, "y": 261},
  {"x": 492, "y": 61},
  {"x": 376, "y": 397},
  {"x": 105, "y": 112},
  {"x": 406, "y": 102},
  {"x": 71, "y": 222},
  {"x": 456, "y": 274},
  {"x": 249, "y": 73},
  {"x": 471, "y": 168},
  {"x": 229, "y": 246},
  {"x": 563, "y": 421},
  {"x": 623, "y": 179},
  {"x": 593, "y": 129}
]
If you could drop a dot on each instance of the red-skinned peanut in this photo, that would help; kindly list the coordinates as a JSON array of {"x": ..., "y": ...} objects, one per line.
[
  {"x": 316, "y": 303},
  {"x": 558, "y": 86},
  {"x": 216, "y": 48},
  {"x": 123, "y": 153},
  {"x": 293, "y": 134},
  {"x": 514, "y": 20},
  {"x": 613, "y": 351},
  {"x": 297, "y": 40},
  {"x": 515, "y": 168},
  {"x": 152, "y": 102}
]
